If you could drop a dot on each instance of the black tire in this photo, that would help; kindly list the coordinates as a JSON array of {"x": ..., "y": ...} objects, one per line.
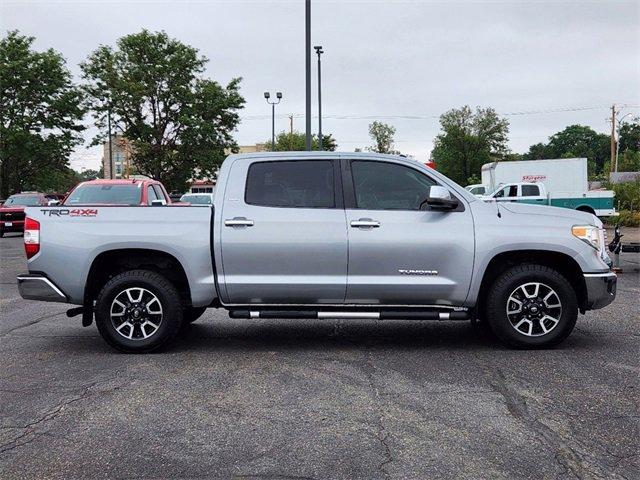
[
  {"x": 539, "y": 326},
  {"x": 168, "y": 322},
  {"x": 1, "y": 233},
  {"x": 191, "y": 314}
]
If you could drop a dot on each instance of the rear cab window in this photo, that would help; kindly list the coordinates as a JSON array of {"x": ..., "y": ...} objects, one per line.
[{"x": 293, "y": 184}]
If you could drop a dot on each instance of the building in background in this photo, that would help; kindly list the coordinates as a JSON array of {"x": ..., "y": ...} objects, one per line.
[{"x": 121, "y": 158}]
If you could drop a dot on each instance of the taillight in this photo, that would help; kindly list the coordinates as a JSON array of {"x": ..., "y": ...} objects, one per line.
[{"x": 31, "y": 237}]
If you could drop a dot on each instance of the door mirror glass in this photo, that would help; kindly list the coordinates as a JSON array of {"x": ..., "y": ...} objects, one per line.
[{"x": 440, "y": 199}]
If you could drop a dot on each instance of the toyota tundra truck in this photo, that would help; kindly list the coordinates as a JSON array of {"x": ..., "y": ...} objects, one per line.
[{"x": 321, "y": 235}]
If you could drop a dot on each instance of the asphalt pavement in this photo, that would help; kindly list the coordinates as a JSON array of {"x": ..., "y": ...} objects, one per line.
[{"x": 300, "y": 399}]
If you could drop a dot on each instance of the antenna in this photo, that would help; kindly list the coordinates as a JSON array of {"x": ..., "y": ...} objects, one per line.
[{"x": 493, "y": 181}]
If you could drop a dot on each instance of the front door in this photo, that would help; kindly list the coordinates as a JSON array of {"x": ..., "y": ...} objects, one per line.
[
  {"x": 284, "y": 234},
  {"x": 398, "y": 253}
]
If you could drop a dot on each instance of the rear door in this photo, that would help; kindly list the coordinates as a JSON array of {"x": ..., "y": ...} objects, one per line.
[
  {"x": 283, "y": 232},
  {"x": 530, "y": 193},
  {"x": 398, "y": 253}
]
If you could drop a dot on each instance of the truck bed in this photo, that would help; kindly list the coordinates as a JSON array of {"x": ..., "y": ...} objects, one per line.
[{"x": 71, "y": 238}]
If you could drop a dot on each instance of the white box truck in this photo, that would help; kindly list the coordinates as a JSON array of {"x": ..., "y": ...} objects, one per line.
[{"x": 562, "y": 182}]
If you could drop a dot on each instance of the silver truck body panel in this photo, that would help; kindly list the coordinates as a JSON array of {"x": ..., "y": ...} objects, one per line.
[
  {"x": 288, "y": 255},
  {"x": 69, "y": 245}
]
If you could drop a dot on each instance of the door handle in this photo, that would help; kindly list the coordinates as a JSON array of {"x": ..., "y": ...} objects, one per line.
[
  {"x": 238, "y": 222},
  {"x": 365, "y": 223}
]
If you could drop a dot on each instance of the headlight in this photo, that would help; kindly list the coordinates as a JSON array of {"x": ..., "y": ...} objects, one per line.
[{"x": 589, "y": 234}]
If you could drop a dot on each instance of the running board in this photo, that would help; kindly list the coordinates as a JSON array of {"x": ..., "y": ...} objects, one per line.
[{"x": 379, "y": 315}]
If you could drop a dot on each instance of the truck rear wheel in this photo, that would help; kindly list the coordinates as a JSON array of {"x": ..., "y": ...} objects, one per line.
[
  {"x": 531, "y": 306},
  {"x": 138, "y": 311}
]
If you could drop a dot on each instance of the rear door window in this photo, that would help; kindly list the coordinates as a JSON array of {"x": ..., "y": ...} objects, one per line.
[
  {"x": 530, "y": 191},
  {"x": 295, "y": 184}
]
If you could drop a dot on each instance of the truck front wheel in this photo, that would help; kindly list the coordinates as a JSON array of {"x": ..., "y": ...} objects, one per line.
[
  {"x": 138, "y": 311},
  {"x": 531, "y": 306}
]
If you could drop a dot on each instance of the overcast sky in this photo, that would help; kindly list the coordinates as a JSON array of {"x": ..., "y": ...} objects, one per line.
[{"x": 384, "y": 59}]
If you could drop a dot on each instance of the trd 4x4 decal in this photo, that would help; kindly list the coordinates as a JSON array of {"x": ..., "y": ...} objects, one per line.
[{"x": 73, "y": 212}]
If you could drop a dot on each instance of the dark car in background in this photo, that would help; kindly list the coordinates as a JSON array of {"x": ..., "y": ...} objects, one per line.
[{"x": 12, "y": 210}]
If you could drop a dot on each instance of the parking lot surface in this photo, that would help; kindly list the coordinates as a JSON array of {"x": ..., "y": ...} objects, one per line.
[{"x": 297, "y": 399}]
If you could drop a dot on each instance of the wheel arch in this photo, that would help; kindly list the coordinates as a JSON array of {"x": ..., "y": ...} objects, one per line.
[
  {"x": 558, "y": 261},
  {"x": 112, "y": 262},
  {"x": 586, "y": 208}
]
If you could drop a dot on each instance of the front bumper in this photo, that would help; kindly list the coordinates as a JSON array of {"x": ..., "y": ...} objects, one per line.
[
  {"x": 33, "y": 286},
  {"x": 601, "y": 289}
]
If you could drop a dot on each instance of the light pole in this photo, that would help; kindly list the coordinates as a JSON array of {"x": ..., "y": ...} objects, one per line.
[
  {"x": 319, "y": 51},
  {"x": 267, "y": 95},
  {"x": 307, "y": 66}
]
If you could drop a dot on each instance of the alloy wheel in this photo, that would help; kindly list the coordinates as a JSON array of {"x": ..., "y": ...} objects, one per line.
[
  {"x": 534, "y": 309},
  {"x": 136, "y": 313}
]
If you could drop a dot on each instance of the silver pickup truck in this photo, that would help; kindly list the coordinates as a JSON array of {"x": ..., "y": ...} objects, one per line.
[{"x": 321, "y": 235}]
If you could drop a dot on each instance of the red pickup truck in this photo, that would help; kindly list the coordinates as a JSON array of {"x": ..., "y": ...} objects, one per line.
[
  {"x": 12, "y": 210},
  {"x": 117, "y": 192}
]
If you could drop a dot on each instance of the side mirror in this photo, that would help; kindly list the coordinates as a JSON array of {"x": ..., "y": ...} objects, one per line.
[
  {"x": 158, "y": 203},
  {"x": 53, "y": 203},
  {"x": 439, "y": 199}
]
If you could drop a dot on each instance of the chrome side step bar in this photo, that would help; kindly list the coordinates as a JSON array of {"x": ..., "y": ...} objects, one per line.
[{"x": 341, "y": 314}]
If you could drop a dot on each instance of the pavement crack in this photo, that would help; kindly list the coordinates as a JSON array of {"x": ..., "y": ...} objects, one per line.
[
  {"x": 571, "y": 457},
  {"x": 32, "y": 322},
  {"x": 31, "y": 430},
  {"x": 381, "y": 434}
]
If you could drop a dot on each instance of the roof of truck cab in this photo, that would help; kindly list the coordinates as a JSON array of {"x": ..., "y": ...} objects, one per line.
[{"x": 317, "y": 154}]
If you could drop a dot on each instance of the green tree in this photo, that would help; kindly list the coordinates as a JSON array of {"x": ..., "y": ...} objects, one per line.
[
  {"x": 180, "y": 124},
  {"x": 40, "y": 114},
  {"x": 468, "y": 140},
  {"x": 295, "y": 142},
  {"x": 572, "y": 142},
  {"x": 629, "y": 136},
  {"x": 60, "y": 180},
  {"x": 90, "y": 174},
  {"x": 382, "y": 135}
]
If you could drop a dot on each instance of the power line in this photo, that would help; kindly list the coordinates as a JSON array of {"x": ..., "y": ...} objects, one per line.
[{"x": 431, "y": 117}]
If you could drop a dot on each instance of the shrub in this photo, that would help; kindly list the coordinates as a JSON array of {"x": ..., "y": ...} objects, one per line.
[
  {"x": 627, "y": 195},
  {"x": 626, "y": 218}
]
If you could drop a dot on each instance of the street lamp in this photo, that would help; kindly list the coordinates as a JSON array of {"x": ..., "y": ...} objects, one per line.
[
  {"x": 267, "y": 95},
  {"x": 319, "y": 51}
]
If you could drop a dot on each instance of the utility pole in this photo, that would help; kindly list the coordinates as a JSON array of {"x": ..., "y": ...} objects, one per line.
[
  {"x": 291, "y": 124},
  {"x": 307, "y": 57},
  {"x": 319, "y": 51},
  {"x": 613, "y": 136}
]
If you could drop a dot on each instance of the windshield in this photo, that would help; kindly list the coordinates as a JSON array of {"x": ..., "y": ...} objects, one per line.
[
  {"x": 105, "y": 194},
  {"x": 197, "y": 199},
  {"x": 23, "y": 200}
]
